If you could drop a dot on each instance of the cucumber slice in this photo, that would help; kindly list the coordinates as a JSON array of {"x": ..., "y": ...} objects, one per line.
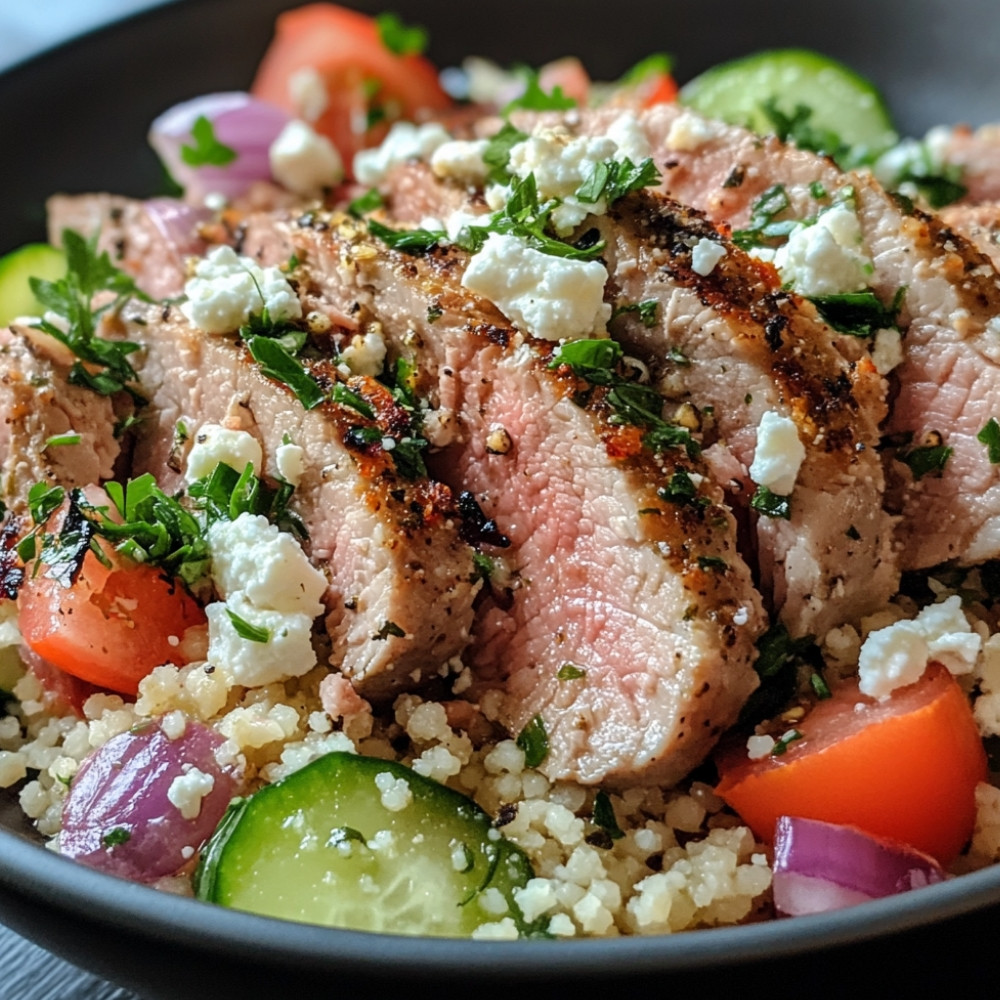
[
  {"x": 322, "y": 846},
  {"x": 841, "y": 101},
  {"x": 34, "y": 260}
]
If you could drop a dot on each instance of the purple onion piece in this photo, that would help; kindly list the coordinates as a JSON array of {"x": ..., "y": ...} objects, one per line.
[
  {"x": 822, "y": 866},
  {"x": 118, "y": 815},
  {"x": 241, "y": 122}
]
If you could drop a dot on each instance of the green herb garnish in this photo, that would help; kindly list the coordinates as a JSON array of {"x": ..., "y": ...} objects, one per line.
[
  {"x": 771, "y": 504},
  {"x": 859, "y": 314},
  {"x": 246, "y": 630},
  {"x": 570, "y": 672},
  {"x": 990, "y": 436},
  {"x": 400, "y": 39},
  {"x": 277, "y": 362},
  {"x": 534, "y": 741},
  {"x": 536, "y": 99},
  {"x": 926, "y": 460},
  {"x": 206, "y": 150},
  {"x": 604, "y": 816}
]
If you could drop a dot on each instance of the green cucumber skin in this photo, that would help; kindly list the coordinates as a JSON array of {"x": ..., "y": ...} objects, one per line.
[
  {"x": 734, "y": 92},
  {"x": 34, "y": 260},
  {"x": 270, "y": 854}
]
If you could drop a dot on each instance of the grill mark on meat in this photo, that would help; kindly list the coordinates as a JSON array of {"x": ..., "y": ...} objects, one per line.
[
  {"x": 657, "y": 607},
  {"x": 37, "y": 402},
  {"x": 390, "y": 546}
]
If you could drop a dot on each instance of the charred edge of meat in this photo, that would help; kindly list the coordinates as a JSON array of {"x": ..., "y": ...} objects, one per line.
[
  {"x": 476, "y": 528},
  {"x": 11, "y": 568},
  {"x": 977, "y": 272}
]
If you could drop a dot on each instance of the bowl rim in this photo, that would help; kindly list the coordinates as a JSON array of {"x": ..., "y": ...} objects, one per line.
[{"x": 48, "y": 879}]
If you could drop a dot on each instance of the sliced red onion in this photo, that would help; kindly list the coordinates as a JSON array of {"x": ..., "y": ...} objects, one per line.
[
  {"x": 177, "y": 222},
  {"x": 825, "y": 866},
  {"x": 242, "y": 123},
  {"x": 122, "y": 817}
]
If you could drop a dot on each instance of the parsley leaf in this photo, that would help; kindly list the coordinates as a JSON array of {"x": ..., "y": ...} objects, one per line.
[
  {"x": 497, "y": 153},
  {"x": 87, "y": 273},
  {"x": 416, "y": 242},
  {"x": 798, "y": 128},
  {"x": 534, "y": 741},
  {"x": 604, "y": 816},
  {"x": 570, "y": 672},
  {"x": 613, "y": 179},
  {"x": 277, "y": 362},
  {"x": 206, "y": 150},
  {"x": 646, "y": 310},
  {"x": 927, "y": 459},
  {"x": 682, "y": 491},
  {"x": 762, "y": 229},
  {"x": 535, "y": 99},
  {"x": 858, "y": 314},
  {"x": 771, "y": 504},
  {"x": 246, "y": 630},
  {"x": 398, "y": 38},
  {"x": 365, "y": 203},
  {"x": 778, "y": 661},
  {"x": 990, "y": 436}
]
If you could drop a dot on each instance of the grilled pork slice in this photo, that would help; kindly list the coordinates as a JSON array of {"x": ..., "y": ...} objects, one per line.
[
  {"x": 739, "y": 348},
  {"x": 621, "y": 625},
  {"x": 149, "y": 240},
  {"x": 948, "y": 386},
  {"x": 978, "y": 223},
  {"x": 39, "y": 406},
  {"x": 977, "y": 155},
  {"x": 401, "y": 578}
]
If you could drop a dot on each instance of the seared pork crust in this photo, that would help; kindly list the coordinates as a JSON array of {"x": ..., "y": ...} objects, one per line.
[
  {"x": 737, "y": 346},
  {"x": 37, "y": 404},
  {"x": 402, "y": 581},
  {"x": 623, "y": 621}
]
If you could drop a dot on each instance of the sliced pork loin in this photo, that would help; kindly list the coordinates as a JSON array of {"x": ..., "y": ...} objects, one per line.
[
  {"x": 979, "y": 223},
  {"x": 622, "y": 621},
  {"x": 39, "y": 404},
  {"x": 402, "y": 581},
  {"x": 739, "y": 348},
  {"x": 976, "y": 153},
  {"x": 948, "y": 385}
]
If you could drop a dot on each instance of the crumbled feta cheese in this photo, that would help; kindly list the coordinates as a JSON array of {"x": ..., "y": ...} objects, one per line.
[
  {"x": 187, "y": 790},
  {"x": 365, "y": 354},
  {"x": 779, "y": 454},
  {"x": 268, "y": 566},
  {"x": 308, "y": 93},
  {"x": 825, "y": 257},
  {"x": 553, "y": 298},
  {"x": 895, "y": 656},
  {"x": 214, "y": 445},
  {"x": 688, "y": 131},
  {"x": 304, "y": 161},
  {"x": 405, "y": 141},
  {"x": 560, "y": 163},
  {"x": 290, "y": 460},
  {"x": 288, "y": 651},
  {"x": 705, "y": 255},
  {"x": 226, "y": 289},
  {"x": 887, "y": 351},
  {"x": 461, "y": 160},
  {"x": 629, "y": 136},
  {"x": 759, "y": 747}
]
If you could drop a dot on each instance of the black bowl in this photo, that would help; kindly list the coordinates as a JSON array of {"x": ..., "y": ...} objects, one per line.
[{"x": 75, "y": 120}]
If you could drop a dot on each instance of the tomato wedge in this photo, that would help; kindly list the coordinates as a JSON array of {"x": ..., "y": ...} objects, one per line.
[
  {"x": 904, "y": 769},
  {"x": 112, "y": 626},
  {"x": 362, "y": 78}
]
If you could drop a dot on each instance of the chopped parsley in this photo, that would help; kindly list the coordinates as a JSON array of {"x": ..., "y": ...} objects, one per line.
[
  {"x": 389, "y": 628},
  {"x": 604, "y": 816},
  {"x": 497, "y": 153},
  {"x": 534, "y": 741},
  {"x": 278, "y": 362},
  {"x": 798, "y": 128},
  {"x": 781, "y": 745},
  {"x": 613, "y": 179},
  {"x": 646, "y": 311},
  {"x": 570, "y": 672},
  {"x": 927, "y": 459},
  {"x": 990, "y": 436},
  {"x": 762, "y": 229},
  {"x": 206, "y": 150},
  {"x": 536, "y": 99},
  {"x": 778, "y": 661},
  {"x": 415, "y": 242},
  {"x": 103, "y": 365},
  {"x": 365, "y": 203},
  {"x": 117, "y": 835},
  {"x": 713, "y": 563},
  {"x": 246, "y": 630},
  {"x": 62, "y": 440},
  {"x": 819, "y": 686},
  {"x": 859, "y": 314},
  {"x": 682, "y": 491},
  {"x": 771, "y": 504},
  {"x": 400, "y": 39}
]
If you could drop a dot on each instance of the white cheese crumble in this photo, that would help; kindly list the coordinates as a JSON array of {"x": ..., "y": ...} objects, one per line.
[
  {"x": 287, "y": 652},
  {"x": 779, "y": 454},
  {"x": 825, "y": 257},
  {"x": 560, "y": 164},
  {"x": 187, "y": 790},
  {"x": 227, "y": 288},
  {"x": 308, "y": 94},
  {"x": 461, "y": 160},
  {"x": 214, "y": 445},
  {"x": 895, "y": 656},
  {"x": 365, "y": 354},
  {"x": 630, "y": 137},
  {"x": 290, "y": 460},
  {"x": 251, "y": 555},
  {"x": 405, "y": 141},
  {"x": 304, "y": 161},
  {"x": 887, "y": 351},
  {"x": 553, "y": 298},
  {"x": 705, "y": 255},
  {"x": 688, "y": 131}
]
